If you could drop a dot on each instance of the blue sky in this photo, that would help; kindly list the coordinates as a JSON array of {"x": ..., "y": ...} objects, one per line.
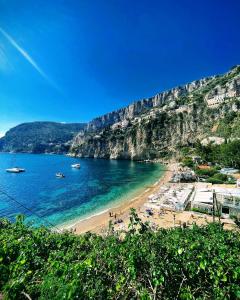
[{"x": 70, "y": 61}]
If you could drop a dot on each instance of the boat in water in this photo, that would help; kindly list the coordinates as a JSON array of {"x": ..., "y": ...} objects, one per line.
[
  {"x": 15, "y": 170},
  {"x": 76, "y": 166},
  {"x": 60, "y": 175}
]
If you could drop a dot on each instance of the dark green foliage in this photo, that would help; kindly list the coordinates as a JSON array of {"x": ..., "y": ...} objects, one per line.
[
  {"x": 183, "y": 100},
  {"x": 197, "y": 263},
  {"x": 202, "y": 211},
  {"x": 184, "y": 151},
  {"x": 206, "y": 172},
  {"x": 40, "y": 137},
  {"x": 229, "y": 126},
  {"x": 213, "y": 176},
  {"x": 220, "y": 176},
  {"x": 215, "y": 180},
  {"x": 188, "y": 162},
  {"x": 226, "y": 154}
]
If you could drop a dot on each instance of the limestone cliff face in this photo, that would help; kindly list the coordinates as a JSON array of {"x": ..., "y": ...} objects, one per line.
[
  {"x": 139, "y": 107},
  {"x": 159, "y": 126},
  {"x": 149, "y": 137}
]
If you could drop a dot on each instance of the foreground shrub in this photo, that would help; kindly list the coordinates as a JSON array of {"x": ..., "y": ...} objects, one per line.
[{"x": 196, "y": 263}]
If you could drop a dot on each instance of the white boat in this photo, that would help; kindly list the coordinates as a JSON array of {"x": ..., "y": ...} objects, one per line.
[
  {"x": 76, "y": 166},
  {"x": 60, "y": 175},
  {"x": 15, "y": 170}
]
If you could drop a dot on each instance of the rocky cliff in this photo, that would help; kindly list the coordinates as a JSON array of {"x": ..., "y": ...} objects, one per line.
[
  {"x": 139, "y": 107},
  {"x": 40, "y": 137},
  {"x": 204, "y": 110},
  {"x": 160, "y": 125}
]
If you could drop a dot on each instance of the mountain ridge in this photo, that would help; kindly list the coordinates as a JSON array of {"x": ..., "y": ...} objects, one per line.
[
  {"x": 153, "y": 101},
  {"x": 147, "y": 128},
  {"x": 154, "y": 127},
  {"x": 40, "y": 137}
]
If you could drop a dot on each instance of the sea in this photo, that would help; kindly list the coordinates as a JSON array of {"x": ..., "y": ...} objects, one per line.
[{"x": 47, "y": 200}]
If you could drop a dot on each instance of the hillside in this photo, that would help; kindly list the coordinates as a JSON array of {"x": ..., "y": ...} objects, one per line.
[
  {"x": 190, "y": 263},
  {"x": 206, "y": 110},
  {"x": 40, "y": 137},
  {"x": 161, "y": 125}
]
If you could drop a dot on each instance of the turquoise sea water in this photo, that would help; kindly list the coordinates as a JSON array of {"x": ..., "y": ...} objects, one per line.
[{"x": 98, "y": 185}]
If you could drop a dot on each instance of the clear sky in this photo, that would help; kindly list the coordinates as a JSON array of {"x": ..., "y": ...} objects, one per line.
[{"x": 70, "y": 61}]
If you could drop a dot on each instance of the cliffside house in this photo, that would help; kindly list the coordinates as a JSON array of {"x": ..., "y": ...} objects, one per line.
[{"x": 220, "y": 94}]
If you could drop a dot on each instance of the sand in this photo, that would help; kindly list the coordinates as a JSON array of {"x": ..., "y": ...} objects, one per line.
[{"x": 99, "y": 223}]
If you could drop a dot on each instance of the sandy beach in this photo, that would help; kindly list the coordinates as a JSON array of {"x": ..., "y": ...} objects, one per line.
[{"x": 99, "y": 223}]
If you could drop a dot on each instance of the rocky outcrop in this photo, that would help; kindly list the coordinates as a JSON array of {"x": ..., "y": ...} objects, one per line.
[{"x": 158, "y": 126}]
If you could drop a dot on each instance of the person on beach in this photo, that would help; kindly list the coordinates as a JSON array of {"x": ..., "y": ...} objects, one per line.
[{"x": 174, "y": 219}]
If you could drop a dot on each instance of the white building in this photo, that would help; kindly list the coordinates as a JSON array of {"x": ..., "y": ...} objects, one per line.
[
  {"x": 172, "y": 198},
  {"x": 227, "y": 200},
  {"x": 203, "y": 200},
  {"x": 220, "y": 94}
]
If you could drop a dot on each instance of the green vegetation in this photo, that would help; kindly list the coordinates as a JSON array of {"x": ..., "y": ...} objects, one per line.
[
  {"x": 221, "y": 178},
  {"x": 220, "y": 80},
  {"x": 191, "y": 263},
  {"x": 229, "y": 126},
  {"x": 211, "y": 175},
  {"x": 188, "y": 162},
  {"x": 203, "y": 211},
  {"x": 184, "y": 151},
  {"x": 206, "y": 172},
  {"x": 40, "y": 137},
  {"x": 214, "y": 177},
  {"x": 227, "y": 154},
  {"x": 215, "y": 180},
  {"x": 200, "y": 210}
]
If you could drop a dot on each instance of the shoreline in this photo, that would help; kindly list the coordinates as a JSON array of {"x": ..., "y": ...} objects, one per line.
[{"x": 99, "y": 222}]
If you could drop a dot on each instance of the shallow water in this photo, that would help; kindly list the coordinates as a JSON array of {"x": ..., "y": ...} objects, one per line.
[{"x": 98, "y": 185}]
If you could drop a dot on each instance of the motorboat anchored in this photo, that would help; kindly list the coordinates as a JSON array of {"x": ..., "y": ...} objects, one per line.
[
  {"x": 60, "y": 175},
  {"x": 76, "y": 166},
  {"x": 15, "y": 170}
]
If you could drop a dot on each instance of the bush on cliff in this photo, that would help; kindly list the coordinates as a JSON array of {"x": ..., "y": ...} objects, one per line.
[{"x": 191, "y": 263}]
